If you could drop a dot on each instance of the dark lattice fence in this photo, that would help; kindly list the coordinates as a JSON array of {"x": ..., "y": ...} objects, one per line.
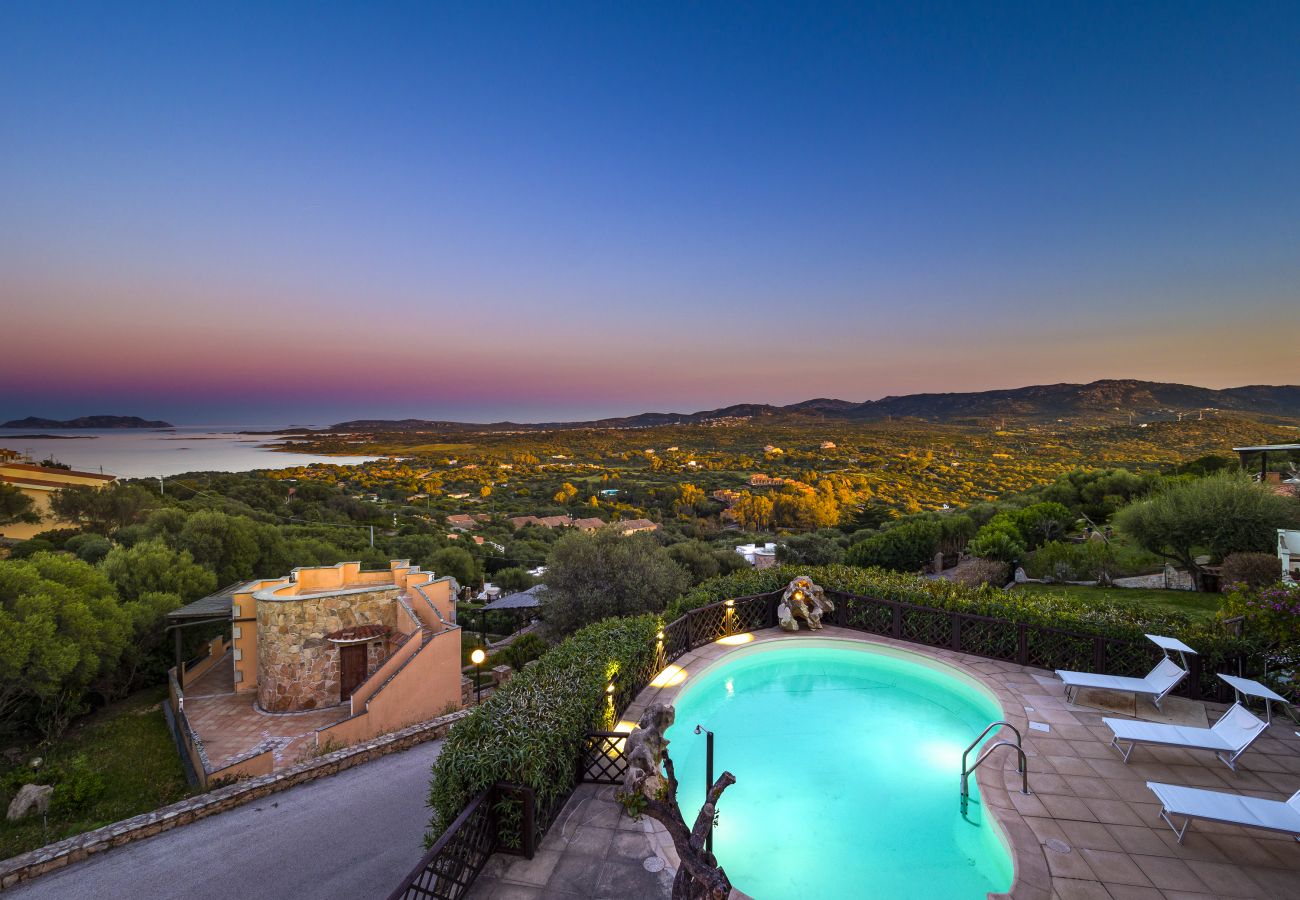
[{"x": 602, "y": 758}]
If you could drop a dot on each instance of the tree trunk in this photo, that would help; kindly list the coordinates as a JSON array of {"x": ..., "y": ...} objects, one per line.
[{"x": 698, "y": 877}]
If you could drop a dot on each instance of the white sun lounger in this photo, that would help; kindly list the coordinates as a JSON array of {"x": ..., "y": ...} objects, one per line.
[
  {"x": 1157, "y": 683},
  {"x": 1229, "y": 737},
  {"x": 1218, "y": 806}
]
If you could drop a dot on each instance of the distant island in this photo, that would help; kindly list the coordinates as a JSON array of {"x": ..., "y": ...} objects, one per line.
[{"x": 87, "y": 422}]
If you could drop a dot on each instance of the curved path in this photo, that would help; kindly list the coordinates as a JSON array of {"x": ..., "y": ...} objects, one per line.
[{"x": 352, "y": 835}]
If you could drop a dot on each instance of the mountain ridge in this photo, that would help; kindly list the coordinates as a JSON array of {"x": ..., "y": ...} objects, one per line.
[
  {"x": 87, "y": 422},
  {"x": 1118, "y": 397}
]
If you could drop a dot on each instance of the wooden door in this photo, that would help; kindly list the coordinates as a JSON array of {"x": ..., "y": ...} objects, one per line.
[{"x": 352, "y": 668}]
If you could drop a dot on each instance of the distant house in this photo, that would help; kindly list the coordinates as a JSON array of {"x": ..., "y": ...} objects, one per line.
[
  {"x": 772, "y": 449},
  {"x": 761, "y": 480},
  {"x": 590, "y": 524},
  {"x": 544, "y": 521},
  {"x": 1279, "y": 476},
  {"x": 828, "y": 445},
  {"x": 760, "y": 556},
  {"x": 465, "y": 521},
  {"x": 725, "y": 497},
  {"x": 39, "y": 483},
  {"x": 609, "y": 492},
  {"x": 631, "y": 526}
]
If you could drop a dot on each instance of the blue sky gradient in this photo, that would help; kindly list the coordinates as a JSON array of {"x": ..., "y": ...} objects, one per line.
[{"x": 311, "y": 211}]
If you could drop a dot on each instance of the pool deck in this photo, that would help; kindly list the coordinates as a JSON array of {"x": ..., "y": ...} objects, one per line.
[{"x": 1089, "y": 829}]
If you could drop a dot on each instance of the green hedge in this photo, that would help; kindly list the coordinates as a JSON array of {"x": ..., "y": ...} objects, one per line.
[
  {"x": 530, "y": 731},
  {"x": 1111, "y": 620}
]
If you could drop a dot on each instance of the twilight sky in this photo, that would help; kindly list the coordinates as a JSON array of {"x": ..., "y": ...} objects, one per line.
[{"x": 299, "y": 213}]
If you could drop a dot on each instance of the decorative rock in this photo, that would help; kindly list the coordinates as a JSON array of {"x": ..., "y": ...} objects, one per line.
[
  {"x": 803, "y": 599},
  {"x": 30, "y": 797},
  {"x": 644, "y": 750}
]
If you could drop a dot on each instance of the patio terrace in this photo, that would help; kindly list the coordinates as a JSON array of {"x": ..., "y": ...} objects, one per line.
[{"x": 1090, "y": 829}]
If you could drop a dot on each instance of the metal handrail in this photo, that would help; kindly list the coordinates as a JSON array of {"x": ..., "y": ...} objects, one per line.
[
  {"x": 1022, "y": 763},
  {"x": 975, "y": 743}
]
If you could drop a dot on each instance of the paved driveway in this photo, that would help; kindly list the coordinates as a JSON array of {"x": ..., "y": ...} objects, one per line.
[{"x": 352, "y": 835}]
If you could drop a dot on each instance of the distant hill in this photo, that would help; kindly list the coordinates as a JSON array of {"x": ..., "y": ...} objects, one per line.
[
  {"x": 1109, "y": 399},
  {"x": 86, "y": 422}
]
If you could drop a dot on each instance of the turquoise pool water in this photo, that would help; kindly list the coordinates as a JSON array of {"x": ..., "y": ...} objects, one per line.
[{"x": 847, "y": 760}]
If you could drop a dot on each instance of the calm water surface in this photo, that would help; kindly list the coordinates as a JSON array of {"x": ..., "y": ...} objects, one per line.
[
  {"x": 847, "y": 765},
  {"x": 145, "y": 453}
]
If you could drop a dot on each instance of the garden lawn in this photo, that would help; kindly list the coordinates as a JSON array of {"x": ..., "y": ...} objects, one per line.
[
  {"x": 128, "y": 745},
  {"x": 1198, "y": 607}
]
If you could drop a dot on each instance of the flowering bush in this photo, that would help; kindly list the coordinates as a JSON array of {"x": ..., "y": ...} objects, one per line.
[{"x": 1270, "y": 611}]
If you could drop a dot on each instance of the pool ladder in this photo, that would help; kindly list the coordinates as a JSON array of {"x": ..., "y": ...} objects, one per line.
[{"x": 1023, "y": 767}]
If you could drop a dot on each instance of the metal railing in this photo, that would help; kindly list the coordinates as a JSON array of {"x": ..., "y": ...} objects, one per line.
[{"x": 1022, "y": 762}]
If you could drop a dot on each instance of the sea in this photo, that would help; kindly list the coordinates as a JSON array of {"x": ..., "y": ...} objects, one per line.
[{"x": 161, "y": 453}]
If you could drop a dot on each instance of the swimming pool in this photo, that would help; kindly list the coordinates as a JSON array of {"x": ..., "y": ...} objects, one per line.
[{"x": 847, "y": 759}]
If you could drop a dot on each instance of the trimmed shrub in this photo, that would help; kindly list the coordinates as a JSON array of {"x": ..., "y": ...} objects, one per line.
[
  {"x": 904, "y": 548},
  {"x": 980, "y": 572},
  {"x": 1080, "y": 614},
  {"x": 522, "y": 650},
  {"x": 998, "y": 540},
  {"x": 30, "y": 548},
  {"x": 1089, "y": 561},
  {"x": 1255, "y": 570},
  {"x": 89, "y": 548},
  {"x": 531, "y": 729}
]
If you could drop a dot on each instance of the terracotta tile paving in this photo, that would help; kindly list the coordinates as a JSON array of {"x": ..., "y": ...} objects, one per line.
[
  {"x": 1113, "y": 843},
  {"x": 230, "y": 724}
]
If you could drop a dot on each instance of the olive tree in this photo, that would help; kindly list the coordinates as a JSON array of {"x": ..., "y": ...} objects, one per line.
[
  {"x": 16, "y": 507},
  {"x": 594, "y": 576},
  {"x": 1217, "y": 515}
]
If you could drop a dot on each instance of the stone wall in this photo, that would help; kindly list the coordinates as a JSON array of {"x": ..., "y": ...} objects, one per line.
[
  {"x": 55, "y": 856},
  {"x": 297, "y": 668}
]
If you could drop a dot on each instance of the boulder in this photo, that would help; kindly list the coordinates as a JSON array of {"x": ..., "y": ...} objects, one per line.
[{"x": 30, "y": 797}]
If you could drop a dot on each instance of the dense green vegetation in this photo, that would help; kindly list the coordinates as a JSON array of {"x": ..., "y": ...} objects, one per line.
[
  {"x": 529, "y": 731},
  {"x": 1061, "y": 610},
  {"x": 82, "y": 607},
  {"x": 117, "y": 763},
  {"x": 894, "y": 467}
]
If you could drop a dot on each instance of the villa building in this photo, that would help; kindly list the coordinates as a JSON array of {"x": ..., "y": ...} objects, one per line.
[
  {"x": 315, "y": 638},
  {"x": 350, "y": 654},
  {"x": 39, "y": 483}
]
